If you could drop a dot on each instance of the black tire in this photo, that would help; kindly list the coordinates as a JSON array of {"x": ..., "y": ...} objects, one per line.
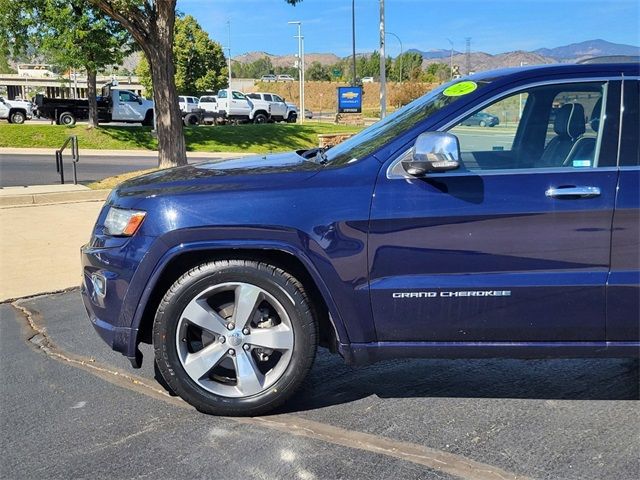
[
  {"x": 17, "y": 117},
  {"x": 148, "y": 119},
  {"x": 191, "y": 120},
  {"x": 292, "y": 118},
  {"x": 286, "y": 289},
  {"x": 67, "y": 119},
  {"x": 483, "y": 123},
  {"x": 260, "y": 118}
]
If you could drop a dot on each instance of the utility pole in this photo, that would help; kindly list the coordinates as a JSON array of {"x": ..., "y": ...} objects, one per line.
[
  {"x": 450, "y": 58},
  {"x": 229, "y": 49},
  {"x": 383, "y": 68},
  {"x": 400, "y": 57},
  {"x": 468, "y": 40},
  {"x": 353, "y": 40},
  {"x": 300, "y": 67}
]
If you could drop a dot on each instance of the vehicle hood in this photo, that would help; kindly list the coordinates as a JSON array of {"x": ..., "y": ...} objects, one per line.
[{"x": 245, "y": 173}]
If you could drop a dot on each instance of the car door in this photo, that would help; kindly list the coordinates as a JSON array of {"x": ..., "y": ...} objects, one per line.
[
  {"x": 238, "y": 104},
  {"x": 513, "y": 246},
  {"x": 279, "y": 107},
  {"x": 4, "y": 109},
  {"x": 126, "y": 106},
  {"x": 623, "y": 286}
]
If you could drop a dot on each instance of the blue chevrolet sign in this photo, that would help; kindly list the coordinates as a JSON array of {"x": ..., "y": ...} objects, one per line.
[{"x": 349, "y": 99}]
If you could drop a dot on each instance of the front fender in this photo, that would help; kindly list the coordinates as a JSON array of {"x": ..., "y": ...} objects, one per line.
[{"x": 154, "y": 265}]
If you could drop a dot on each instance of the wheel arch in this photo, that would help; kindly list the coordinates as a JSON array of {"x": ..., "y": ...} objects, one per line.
[{"x": 179, "y": 260}]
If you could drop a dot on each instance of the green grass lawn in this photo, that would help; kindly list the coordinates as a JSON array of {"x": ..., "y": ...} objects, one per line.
[{"x": 225, "y": 138}]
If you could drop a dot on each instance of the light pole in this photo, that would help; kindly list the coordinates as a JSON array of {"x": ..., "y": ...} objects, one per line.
[
  {"x": 383, "y": 68},
  {"x": 394, "y": 35},
  {"x": 522, "y": 64},
  {"x": 451, "y": 58},
  {"x": 229, "y": 49},
  {"x": 300, "y": 66},
  {"x": 353, "y": 40}
]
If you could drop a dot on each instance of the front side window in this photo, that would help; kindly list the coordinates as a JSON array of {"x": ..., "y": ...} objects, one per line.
[
  {"x": 553, "y": 126},
  {"x": 238, "y": 96},
  {"x": 276, "y": 98},
  {"x": 127, "y": 97}
]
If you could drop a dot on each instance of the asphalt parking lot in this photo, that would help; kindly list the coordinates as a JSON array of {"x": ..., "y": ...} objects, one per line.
[{"x": 71, "y": 408}]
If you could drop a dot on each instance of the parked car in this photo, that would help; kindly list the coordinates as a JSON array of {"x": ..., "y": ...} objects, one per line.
[
  {"x": 208, "y": 103},
  {"x": 235, "y": 106},
  {"x": 279, "y": 110},
  {"x": 15, "y": 111},
  {"x": 482, "y": 119},
  {"x": 268, "y": 78},
  {"x": 285, "y": 78},
  {"x": 308, "y": 114},
  {"x": 413, "y": 238},
  {"x": 114, "y": 105},
  {"x": 367, "y": 80},
  {"x": 187, "y": 104}
]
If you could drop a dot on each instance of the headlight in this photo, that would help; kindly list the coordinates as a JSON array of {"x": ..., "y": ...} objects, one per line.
[{"x": 123, "y": 223}]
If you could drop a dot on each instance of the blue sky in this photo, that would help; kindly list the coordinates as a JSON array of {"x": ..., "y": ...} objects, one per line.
[{"x": 495, "y": 25}]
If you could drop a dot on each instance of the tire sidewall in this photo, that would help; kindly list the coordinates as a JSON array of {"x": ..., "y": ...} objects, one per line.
[
  {"x": 260, "y": 118},
  {"x": 71, "y": 118},
  {"x": 20, "y": 116},
  {"x": 165, "y": 327}
]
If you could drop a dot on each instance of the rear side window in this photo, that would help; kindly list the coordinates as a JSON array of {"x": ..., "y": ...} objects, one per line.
[
  {"x": 268, "y": 97},
  {"x": 630, "y": 145},
  {"x": 207, "y": 99},
  {"x": 255, "y": 96},
  {"x": 191, "y": 100}
]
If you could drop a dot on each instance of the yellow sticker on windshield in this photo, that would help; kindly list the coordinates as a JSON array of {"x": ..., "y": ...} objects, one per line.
[{"x": 461, "y": 88}]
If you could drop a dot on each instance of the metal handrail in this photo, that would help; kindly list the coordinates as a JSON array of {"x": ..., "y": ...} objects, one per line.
[{"x": 75, "y": 156}]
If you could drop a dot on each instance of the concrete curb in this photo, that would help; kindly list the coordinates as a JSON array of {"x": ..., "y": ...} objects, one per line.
[{"x": 53, "y": 198}]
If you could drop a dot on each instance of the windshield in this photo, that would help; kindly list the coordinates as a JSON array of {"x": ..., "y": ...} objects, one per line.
[{"x": 371, "y": 139}]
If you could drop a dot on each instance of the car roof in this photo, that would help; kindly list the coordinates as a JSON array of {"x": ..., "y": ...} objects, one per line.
[{"x": 597, "y": 69}]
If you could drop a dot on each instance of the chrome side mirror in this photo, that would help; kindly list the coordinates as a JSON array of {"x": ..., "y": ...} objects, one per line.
[{"x": 433, "y": 152}]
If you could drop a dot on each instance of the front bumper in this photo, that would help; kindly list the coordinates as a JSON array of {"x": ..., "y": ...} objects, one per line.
[{"x": 111, "y": 293}]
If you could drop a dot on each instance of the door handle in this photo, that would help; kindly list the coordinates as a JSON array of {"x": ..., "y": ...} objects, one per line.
[{"x": 572, "y": 192}]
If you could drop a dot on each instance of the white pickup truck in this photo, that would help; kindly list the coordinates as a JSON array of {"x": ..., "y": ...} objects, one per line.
[
  {"x": 236, "y": 107},
  {"x": 15, "y": 111},
  {"x": 114, "y": 105},
  {"x": 280, "y": 110}
]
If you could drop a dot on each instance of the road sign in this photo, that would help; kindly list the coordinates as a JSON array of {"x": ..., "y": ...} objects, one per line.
[
  {"x": 349, "y": 99},
  {"x": 336, "y": 72}
]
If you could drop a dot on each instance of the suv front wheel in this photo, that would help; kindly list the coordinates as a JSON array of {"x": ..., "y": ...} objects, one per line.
[{"x": 235, "y": 337}]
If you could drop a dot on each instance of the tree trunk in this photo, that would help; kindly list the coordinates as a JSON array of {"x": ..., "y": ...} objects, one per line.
[
  {"x": 171, "y": 145},
  {"x": 91, "y": 95},
  {"x": 151, "y": 25}
]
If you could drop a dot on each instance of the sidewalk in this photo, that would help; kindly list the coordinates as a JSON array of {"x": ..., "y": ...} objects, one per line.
[{"x": 40, "y": 246}]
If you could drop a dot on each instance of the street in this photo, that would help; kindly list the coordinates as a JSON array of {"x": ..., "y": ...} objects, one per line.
[
  {"x": 40, "y": 169},
  {"x": 72, "y": 408}
]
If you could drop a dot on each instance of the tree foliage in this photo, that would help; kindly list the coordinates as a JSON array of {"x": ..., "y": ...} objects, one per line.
[
  {"x": 199, "y": 61},
  {"x": 70, "y": 33},
  {"x": 318, "y": 72}
]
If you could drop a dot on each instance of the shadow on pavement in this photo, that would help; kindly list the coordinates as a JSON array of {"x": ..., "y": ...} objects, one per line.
[{"x": 331, "y": 382}]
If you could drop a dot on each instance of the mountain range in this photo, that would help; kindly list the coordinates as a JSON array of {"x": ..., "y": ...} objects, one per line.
[{"x": 479, "y": 60}]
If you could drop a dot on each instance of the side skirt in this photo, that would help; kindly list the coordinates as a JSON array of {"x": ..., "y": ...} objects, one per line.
[{"x": 366, "y": 353}]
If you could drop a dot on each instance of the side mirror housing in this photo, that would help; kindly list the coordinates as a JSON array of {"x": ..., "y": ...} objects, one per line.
[{"x": 433, "y": 152}]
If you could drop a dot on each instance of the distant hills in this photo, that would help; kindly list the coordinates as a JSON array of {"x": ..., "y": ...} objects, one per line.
[
  {"x": 590, "y": 48},
  {"x": 479, "y": 60}
]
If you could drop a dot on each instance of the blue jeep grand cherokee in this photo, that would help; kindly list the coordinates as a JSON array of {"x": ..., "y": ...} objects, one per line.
[{"x": 419, "y": 237}]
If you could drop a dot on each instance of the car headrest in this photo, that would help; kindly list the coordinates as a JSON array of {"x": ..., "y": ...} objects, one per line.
[
  {"x": 569, "y": 120},
  {"x": 594, "y": 120}
]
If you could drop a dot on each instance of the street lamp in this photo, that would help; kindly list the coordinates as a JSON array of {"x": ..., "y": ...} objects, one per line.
[
  {"x": 229, "y": 49},
  {"x": 300, "y": 66},
  {"x": 383, "y": 72},
  {"x": 398, "y": 38},
  {"x": 451, "y": 58}
]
